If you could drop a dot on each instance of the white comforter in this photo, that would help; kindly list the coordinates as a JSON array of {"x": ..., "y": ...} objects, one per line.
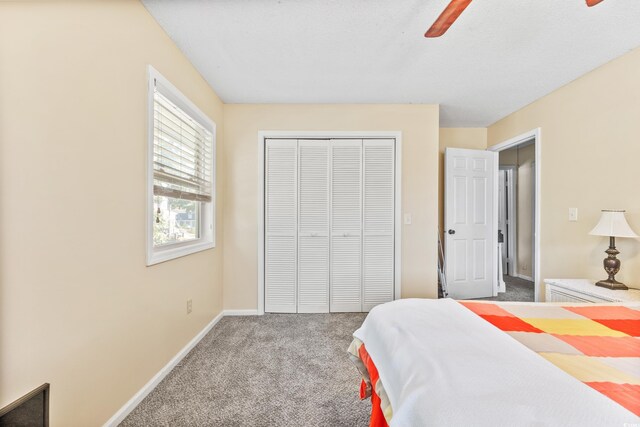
[{"x": 442, "y": 365}]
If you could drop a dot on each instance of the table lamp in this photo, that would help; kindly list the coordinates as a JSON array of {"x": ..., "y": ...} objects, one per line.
[{"x": 612, "y": 224}]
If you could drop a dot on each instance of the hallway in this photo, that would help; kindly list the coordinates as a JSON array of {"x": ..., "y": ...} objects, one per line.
[{"x": 517, "y": 290}]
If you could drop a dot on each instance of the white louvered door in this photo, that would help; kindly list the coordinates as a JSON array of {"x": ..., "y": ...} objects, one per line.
[
  {"x": 346, "y": 225},
  {"x": 281, "y": 218},
  {"x": 378, "y": 222},
  {"x": 313, "y": 226},
  {"x": 329, "y": 224}
]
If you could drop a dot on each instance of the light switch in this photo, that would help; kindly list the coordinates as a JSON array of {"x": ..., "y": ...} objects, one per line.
[
  {"x": 573, "y": 214},
  {"x": 407, "y": 219}
]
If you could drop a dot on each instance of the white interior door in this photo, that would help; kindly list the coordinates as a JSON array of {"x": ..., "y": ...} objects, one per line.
[
  {"x": 502, "y": 229},
  {"x": 470, "y": 222},
  {"x": 346, "y": 225},
  {"x": 507, "y": 216},
  {"x": 281, "y": 219},
  {"x": 502, "y": 215},
  {"x": 378, "y": 222},
  {"x": 313, "y": 226}
]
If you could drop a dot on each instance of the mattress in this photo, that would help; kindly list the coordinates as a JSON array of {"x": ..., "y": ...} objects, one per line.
[{"x": 440, "y": 362}]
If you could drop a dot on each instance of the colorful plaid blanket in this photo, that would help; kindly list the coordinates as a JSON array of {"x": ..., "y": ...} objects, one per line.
[{"x": 597, "y": 344}]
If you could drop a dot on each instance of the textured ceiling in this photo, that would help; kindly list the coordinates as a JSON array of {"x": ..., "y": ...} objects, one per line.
[{"x": 498, "y": 57}]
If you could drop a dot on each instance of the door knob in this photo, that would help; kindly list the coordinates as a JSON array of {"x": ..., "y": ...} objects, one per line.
[{"x": 452, "y": 232}]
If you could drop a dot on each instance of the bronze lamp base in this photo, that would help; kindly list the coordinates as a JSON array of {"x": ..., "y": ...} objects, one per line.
[
  {"x": 612, "y": 266},
  {"x": 612, "y": 284}
]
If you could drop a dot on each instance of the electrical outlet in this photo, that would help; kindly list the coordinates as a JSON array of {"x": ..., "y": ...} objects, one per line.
[
  {"x": 573, "y": 214},
  {"x": 524, "y": 267},
  {"x": 189, "y": 305}
]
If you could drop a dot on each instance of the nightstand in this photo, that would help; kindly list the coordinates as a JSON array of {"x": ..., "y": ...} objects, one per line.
[{"x": 583, "y": 290}]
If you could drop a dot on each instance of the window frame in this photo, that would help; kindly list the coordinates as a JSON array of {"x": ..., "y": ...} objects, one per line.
[{"x": 207, "y": 217}]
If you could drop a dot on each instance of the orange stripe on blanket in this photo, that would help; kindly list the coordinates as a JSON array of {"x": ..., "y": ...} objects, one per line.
[
  {"x": 377, "y": 417},
  {"x": 626, "y": 326},
  {"x": 605, "y": 312},
  {"x": 484, "y": 309},
  {"x": 603, "y": 346},
  {"x": 625, "y": 394},
  {"x": 510, "y": 323}
]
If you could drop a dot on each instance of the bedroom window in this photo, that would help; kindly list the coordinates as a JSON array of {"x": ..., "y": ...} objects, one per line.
[{"x": 181, "y": 171}]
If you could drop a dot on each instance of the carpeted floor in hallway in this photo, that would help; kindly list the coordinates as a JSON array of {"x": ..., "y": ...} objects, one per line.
[
  {"x": 271, "y": 370},
  {"x": 517, "y": 289}
]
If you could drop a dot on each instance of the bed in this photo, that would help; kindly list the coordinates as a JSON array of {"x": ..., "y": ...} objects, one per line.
[{"x": 448, "y": 363}]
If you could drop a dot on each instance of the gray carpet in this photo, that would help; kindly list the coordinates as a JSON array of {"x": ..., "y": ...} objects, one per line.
[
  {"x": 517, "y": 290},
  {"x": 271, "y": 370}
]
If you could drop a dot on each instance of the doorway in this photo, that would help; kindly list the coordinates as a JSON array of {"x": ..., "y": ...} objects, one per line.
[{"x": 519, "y": 216}]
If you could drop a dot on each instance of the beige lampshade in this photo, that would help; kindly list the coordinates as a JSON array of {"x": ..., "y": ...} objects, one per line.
[{"x": 613, "y": 223}]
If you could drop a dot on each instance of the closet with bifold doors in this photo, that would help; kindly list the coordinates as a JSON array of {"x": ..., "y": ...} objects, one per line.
[{"x": 329, "y": 215}]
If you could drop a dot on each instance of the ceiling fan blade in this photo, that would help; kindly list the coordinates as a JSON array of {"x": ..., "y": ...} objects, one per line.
[
  {"x": 591, "y": 3},
  {"x": 448, "y": 17}
]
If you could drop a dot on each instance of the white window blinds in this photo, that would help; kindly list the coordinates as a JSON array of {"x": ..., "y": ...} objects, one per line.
[{"x": 182, "y": 153}]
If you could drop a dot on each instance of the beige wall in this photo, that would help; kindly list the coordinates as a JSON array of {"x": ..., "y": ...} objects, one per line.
[
  {"x": 524, "y": 159},
  {"x": 419, "y": 126},
  {"x": 470, "y": 138},
  {"x": 78, "y": 306},
  {"x": 590, "y": 146}
]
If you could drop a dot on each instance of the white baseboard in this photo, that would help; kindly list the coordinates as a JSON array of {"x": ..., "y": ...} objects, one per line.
[
  {"x": 522, "y": 276},
  {"x": 122, "y": 413},
  {"x": 249, "y": 312}
]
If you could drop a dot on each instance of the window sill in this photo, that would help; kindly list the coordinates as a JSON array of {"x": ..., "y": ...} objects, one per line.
[{"x": 157, "y": 256}]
